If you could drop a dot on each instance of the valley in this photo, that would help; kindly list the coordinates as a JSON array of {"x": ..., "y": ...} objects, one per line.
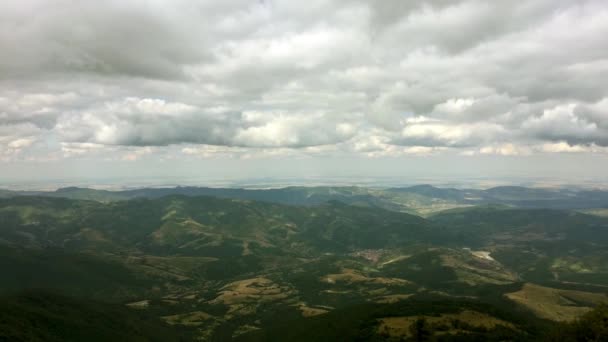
[{"x": 325, "y": 261}]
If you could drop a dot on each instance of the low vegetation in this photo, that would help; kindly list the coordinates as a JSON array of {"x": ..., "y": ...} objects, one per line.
[{"x": 303, "y": 269}]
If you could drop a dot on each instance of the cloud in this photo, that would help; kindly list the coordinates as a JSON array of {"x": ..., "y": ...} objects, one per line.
[
  {"x": 284, "y": 78},
  {"x": 138, "y": 38},
  {"x": 507, "y": 149},
  {"x": 15, "y": 138},
  {"x": 563, "y": 147},
  {"x": 441, "y": 134},
  {"x": 154, "y": 122},
  {"x": 299, "y": 131},
  {"x": 563, "y": 123}
]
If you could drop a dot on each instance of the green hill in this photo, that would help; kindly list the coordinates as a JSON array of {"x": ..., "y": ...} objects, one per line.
[
  {"x": 226, "y": 268},
  {"x": 44, "y": 316}
]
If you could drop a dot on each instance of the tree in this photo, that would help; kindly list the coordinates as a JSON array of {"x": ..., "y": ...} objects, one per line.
[
  {"x": 591, "y": 327},
  {"x": 420, "y": 330}
]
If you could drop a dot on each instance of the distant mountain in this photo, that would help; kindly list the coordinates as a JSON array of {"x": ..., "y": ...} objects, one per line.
[
  {"x": 519, "y": 193},
  {"x": 199, "y": 225},
  {"x": 419, "y": 199},
  {"x": 491, "y": 222}
]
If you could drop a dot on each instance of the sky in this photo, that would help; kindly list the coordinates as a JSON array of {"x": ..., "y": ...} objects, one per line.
[{"x": 278, "y": 88}]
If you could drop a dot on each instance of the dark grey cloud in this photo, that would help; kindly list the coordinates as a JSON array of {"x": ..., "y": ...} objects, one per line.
[{"x": 135, "y": 38}]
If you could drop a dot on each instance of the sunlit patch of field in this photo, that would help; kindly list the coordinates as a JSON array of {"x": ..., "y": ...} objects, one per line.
[
  {"x": 444, "y": 323},
  {"x": 243, "y": 329},
  {"x": 573, "y": 265},
  {"x": 142, "y": 304},
  {"x": 479, "y": 268},
  {"x": 192, "y": 319},
  {"x": 390, "y": 299},
  {"x": 482, "y": 255},
  {"x": 420, "y": 204},
  {"x": 602, "y": 212},
  {"x": 351, "y": 276},
  {"x": 310, "y": 311},
  {"x": 428, "y": 210},
  {"x": 180, "y": 296},
  {"x": 395, "y": 259},
  {"x": 336, "y": 292},
  {"x": 556, "y": 304},
  {"x": 243, "y": 296}
]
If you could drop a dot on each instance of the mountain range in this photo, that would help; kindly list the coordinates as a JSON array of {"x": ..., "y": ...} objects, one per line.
[{"x": 302, "y": 263}]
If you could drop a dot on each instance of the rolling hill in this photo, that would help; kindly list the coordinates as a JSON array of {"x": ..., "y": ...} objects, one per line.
[{"x": 233, "y": 268}]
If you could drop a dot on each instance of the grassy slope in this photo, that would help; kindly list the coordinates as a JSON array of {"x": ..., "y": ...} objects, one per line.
[
  {"x": 165, "y": 225},
  {"x": 222, "y": 240},
  {"x": 360, "y": 322}
]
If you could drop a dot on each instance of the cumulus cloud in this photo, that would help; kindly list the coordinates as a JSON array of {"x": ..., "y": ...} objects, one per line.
[
  {"x": 438, "y": 133},
  {"x": 562, "y": 123},
  {"x": 153, "y": 122},
  {"x": 285, "y": 78},
  {"x": 15, "y": 138}
]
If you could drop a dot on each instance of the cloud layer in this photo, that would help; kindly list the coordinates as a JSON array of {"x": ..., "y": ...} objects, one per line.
[{"x": 90, "y": 79}]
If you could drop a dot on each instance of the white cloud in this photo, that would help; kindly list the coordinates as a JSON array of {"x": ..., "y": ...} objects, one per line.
[
  {"x": 450, "y": 134},
  {"x": 507, "y": 149},
  {"x": 284, "y": 78},
  {"x": 294, "y": 131},
  {"x": 21, "y": 143},
  {"x": 563, "y": 123},
  {"x": 454, "y": 106}
]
